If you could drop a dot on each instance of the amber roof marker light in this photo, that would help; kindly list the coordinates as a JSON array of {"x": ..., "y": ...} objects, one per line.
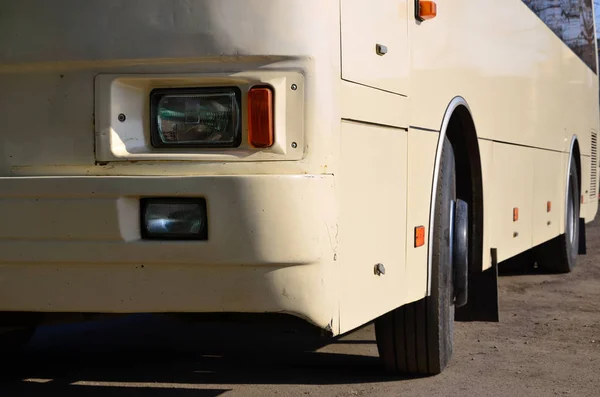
[
  {"x": 260, "y": 117},
  {"x": 425, "y": 10}
]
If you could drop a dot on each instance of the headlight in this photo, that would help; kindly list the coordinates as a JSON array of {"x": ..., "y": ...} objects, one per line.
[
  {"x": 174, "y": 219},
  {"x": 198, "y": 117}
]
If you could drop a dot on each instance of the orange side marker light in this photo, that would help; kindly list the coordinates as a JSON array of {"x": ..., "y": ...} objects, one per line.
[
  {"x": 549, "y": 206},
  {"x": 260, "y": 117},
  {"x": 419, "y": 236},
  {"x": 515, "y": 214},
  {"x": 427, "y": 10}
]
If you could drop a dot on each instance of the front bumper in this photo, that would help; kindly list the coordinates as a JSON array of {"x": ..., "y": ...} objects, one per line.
[{"x": 73, "y": 244}]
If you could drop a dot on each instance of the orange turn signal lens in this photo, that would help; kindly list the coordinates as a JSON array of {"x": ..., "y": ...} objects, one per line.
[
  {"x": 260, "y": 117},
  {"x": 419, "y": 236},
  {"x": 515, "y": 214},
  {"x": 549, "y": 206},
  {"x": 427, "y": 10}
]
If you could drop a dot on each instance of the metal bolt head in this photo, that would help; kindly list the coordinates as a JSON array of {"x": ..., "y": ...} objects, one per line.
[
  {"x": 294, "y": 87},
  {"x": 379, "y": 269},
  {"x": 294, "y": 145},
  {"x": 121, "y": 117},
  {"x": 381, "y": 49}
]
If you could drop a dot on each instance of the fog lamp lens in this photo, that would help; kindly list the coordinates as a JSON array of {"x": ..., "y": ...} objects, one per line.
[
  {"x": 174, "y": 219},
  {"x": 204, "y": 117}
]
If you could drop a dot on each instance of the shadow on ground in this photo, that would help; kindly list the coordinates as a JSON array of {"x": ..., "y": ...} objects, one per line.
[
  {"x": 149, "y": 354},
  {"x": 521, "y": 265}
]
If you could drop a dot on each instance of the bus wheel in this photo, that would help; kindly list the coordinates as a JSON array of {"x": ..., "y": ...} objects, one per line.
[
  {"x": 417, "y": 338},
  {"x": 559, "y": 255}
]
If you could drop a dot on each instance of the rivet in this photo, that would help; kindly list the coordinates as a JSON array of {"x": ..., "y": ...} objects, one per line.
[
  {"x": 294, "y": 145},
  {"x": 379, "y": 269},
  {"x": 294, "y": 87},
  {"x": 122, "y": 117},
  {"x": 380, "y": 49}
]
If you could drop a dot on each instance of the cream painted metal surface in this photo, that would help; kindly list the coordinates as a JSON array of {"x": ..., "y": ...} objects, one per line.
[
  {"x": 523, "y": 84},
  {"x": 421, "y": 160},
  {"x": 391, "y": 109},
  {"x": 293, "y": 230},
  {"x": 126, "y": 288},
  {"x": 364, "y": 27},
  {"x": 130, "y": 95},
  {"x": 372, "y": 216},
  {"x": 102, "y": 214},
  {"x": 96, "y": 261},
  {"x": 487, "y": 166},
  {"x": 513, "y": 189},
  {"x": 547, "y": 165},
  {"x": 199, "y": 38}
]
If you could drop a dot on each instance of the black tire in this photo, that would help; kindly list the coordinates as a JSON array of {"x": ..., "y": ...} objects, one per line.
[
  {"x": 559, "y": 255},
  {"x": 460, "y": 253},
  {"x": 417, "y": 338},
  {"x": 12, "y": 340}
]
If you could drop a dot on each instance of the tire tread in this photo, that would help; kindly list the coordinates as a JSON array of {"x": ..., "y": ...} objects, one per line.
[{"x": 417, "y": 338}]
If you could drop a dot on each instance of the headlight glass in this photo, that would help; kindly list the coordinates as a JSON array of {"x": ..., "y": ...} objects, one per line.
[
  {"x": 203, "y": 117},
  {"x": 174, "y": 219}
]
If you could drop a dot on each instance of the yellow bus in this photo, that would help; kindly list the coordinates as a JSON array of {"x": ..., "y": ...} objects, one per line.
[{"x": 339, "y": 161}]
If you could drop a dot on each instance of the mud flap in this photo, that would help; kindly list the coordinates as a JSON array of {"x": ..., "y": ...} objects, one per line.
[{"x": 482, "y": 303}]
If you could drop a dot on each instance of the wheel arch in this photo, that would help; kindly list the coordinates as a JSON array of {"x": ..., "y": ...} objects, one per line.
[
  {"x": 574, "y": 152},
  {"x": 459, "y": 126}
]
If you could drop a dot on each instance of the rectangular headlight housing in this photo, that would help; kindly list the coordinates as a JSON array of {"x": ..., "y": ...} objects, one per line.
[
  {"x": 174, "y": 219},
  {"x": 196, "y": 117}
]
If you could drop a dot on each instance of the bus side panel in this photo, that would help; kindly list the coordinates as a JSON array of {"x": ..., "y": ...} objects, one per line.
[
  {"x": 523, "y": 84},
  {"x": 589, "y": 210},
  {"x": 548, "y": 195},
  {"x": 372, "y": 197},
  {"x": 422, "y": 147},
  {"x": 587, "y": 142},
  {"x": 589, "y": 205},
  {"x": 511, "y": 207},
  {"x": 365, "y": 25},
  {"x": 486, "y": 153}
]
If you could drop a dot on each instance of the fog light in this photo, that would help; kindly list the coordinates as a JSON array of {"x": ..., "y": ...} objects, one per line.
[
  {"x": 174, "y": 219},
  {"x": 196, "y": 117}
]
